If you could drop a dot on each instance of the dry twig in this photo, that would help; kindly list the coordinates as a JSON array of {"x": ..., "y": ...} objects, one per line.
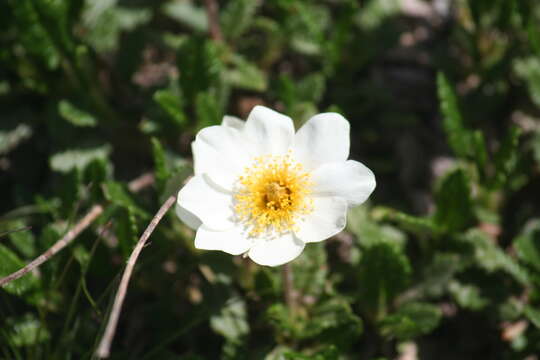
[
  {"x": 135, "y": 185},
  {"x": 103, "y": 350}
]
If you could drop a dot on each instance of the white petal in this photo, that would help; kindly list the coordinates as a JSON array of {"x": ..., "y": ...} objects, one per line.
[
  {"x": 211, "y": 205},
  {"x": 323, "y": 138},
  {"x": 222, "y": 153},
  {"x": 270, "y": 131},
  {"x": 350, "y": 180},
  {"x": 277, "y": 251},
  {"x": 231, "y": 241},
  {"x": 233, "y": 121},
  {"x": 329, "y": 217},
  {"x": 187, "y": 217}
]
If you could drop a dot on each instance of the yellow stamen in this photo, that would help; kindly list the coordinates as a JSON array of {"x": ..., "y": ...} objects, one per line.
[{"x": 273, "y": 193}]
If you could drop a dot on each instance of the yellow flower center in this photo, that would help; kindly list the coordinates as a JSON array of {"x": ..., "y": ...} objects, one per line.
[{"x": 272, "y": 195}]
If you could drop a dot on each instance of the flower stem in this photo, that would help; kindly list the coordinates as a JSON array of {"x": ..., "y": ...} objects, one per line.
[{"x": 288, "y": 287}]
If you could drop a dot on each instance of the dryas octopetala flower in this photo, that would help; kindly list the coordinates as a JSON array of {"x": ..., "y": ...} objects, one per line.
[{"x": 263, "y": 190}]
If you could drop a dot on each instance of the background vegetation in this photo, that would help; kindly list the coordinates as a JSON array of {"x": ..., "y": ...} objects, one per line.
[{"x": 443, "y": 98}]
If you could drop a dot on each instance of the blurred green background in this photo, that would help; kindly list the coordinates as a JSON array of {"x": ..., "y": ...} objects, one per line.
[{"x": 444, "y": 102}]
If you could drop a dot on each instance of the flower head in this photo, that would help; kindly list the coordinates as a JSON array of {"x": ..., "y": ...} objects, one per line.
[{"x": 263, "y": 190}]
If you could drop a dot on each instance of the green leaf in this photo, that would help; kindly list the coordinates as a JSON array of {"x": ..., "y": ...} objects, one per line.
[
  {"x": 208, "y": 112},
  {"x": 376, "y": 12},
  {"x": 414, "y": 224},
  {"x": 162, "y": 173},
  {"x": 384, "y": 272},
  {"x": 327, "y": 353},
  {"x": 310, "y": 270},
  {"x": 506, "y": 157},
  {"x": 231, "y": 322},
  {"x": 370, "y": 233},
  {"x": 199, "y": 62},
  {"x": 237, "y": 16},
  {"x": 311, "y": 88},
  {"x": 103, "y": 22},
  {"x": 464, "y": 142},
  {"x": 246, "y": 75},
  {"x": 458, "y": 137},
  {"x": 491, "y": 257},
  {"x": 527, "y": 244},
  {"x": 26, "y": 330},
  {"x": 172, "y": 104},
  {"x": 9, "y": 263},
  {"x": 454, "y": 205},
  {"x": 332, "y": 322},
  {"x": 78, "y": 158},
  {"x": 533, "y": 315},
  {"x": 75, "y": 115},
  {"x": 467, "y": 296},
  {"x": 23, "y": 239},
  {"x": 10, "y": 139},
  {"x": 411, "y": 320},
  {"x": 188, "y": 14},
  {"x": 528, "y": 69},
  {"x": 126, "y": 230},
  {"x": 118, "y": 194}
]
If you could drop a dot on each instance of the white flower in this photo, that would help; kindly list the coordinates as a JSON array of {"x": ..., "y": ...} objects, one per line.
[{"x": 260, "y": 189}]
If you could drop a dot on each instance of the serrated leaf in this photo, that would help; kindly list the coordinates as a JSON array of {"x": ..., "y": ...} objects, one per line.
[
  {"x": 246, "y": 75},
  {"x": 207, "y": 109},
  {"x": 237, "y": 16},
  {"x": 527, "y": 244},
  {"x": 172, "y": 104},
  {"x": 75, "y": 115},
  {"x": 384, "y": 272},
  {"x": 118, "y": 194},
  {"x": 162, "y": 173},
  {"x": 458, "y": 137},
  {"x": 200, "y": 66},
  {"x": 332, "y": 322},
  {"x": 533, "y": 315},
  {"x": 414, "y": 224},
  {"x": 491, "y": 257},
  {"x": 454, "y": 205},
  {"x": 10, "y": 139},
  {"x": 9, "y": 263},
  {"x": 411, "y": 320},
  {"x": 370, "y": 233},
  {"x": 506, "y": 157},
  {"x": 104, "y": 20},
  {"x": 188, "y": 14},
  {"x": 126, "y": 230},
  {"x": 467, "y": 296},
  {"x": 78, "y": 158}
]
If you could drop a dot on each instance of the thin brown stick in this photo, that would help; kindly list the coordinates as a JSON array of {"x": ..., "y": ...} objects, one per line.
[
  {"x": 212, "y": 12},
  {"x": 103, "y": 350},
  {"x": 94, "y": 212},
  {"x": 288, "y": 287}
]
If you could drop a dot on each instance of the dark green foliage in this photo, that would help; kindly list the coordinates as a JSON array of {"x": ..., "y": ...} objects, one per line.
[
  {"x": 454, "y": 205},
  {"x": 443, "y": 98},
  {"x": 384, "y": 272}
]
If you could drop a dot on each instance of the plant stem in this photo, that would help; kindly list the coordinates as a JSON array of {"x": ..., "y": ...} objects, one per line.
[{"x": 103, "y": 350}]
